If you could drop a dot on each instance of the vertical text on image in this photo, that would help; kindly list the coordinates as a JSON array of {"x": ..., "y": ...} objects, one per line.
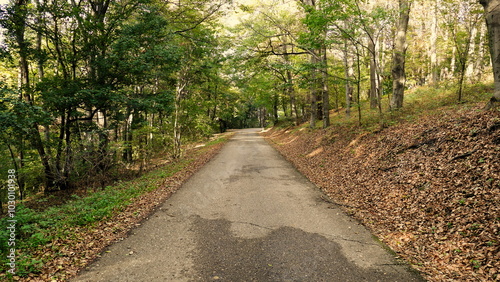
[{"x": 11, "y": 221}]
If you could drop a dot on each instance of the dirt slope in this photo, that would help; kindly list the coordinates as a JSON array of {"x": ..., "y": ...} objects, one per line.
[{"x": 429, "y": 189}]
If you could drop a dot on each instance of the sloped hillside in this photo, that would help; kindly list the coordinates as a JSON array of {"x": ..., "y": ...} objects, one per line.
[{"x": 430, "y": 188}]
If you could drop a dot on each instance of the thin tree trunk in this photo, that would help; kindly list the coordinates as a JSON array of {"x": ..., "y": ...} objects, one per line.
[
  {"x": 57, "y": 46},
  {"x": 380, "y": 77},
  {"x": 68, "y": 158},
  {"x": 326, "y": 92},
  {"x": 373, "y": 76},
  {"x": 481, "y": 54},
  {"x": 177, "y": 117},
  {"x": 463, "y": 53},
  {"x": 314, "y": 92},
  {"x": 37, "y": 143},
  {"x": 59, "y": 150},
  {"x": 275, "y": 107},
  {"x": 358, "y": 83},
  {"x": 19, "y": 19},
  {"x": 289, "y": 86},
  {"x": 433, "y": 45},
  {"x": 19, "y": 16},
  {"x": 39, "y": 35},
  {"x": 473, "y": 51},
  {"x": 348, "y": 86},
  {"x": 127, "y": 137},
  {"x": 462, "y": 64}
]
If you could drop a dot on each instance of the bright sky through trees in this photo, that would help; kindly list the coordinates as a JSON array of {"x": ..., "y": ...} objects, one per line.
[
  {"x": 235, "y": 15},
  {"x": 2, "y": 2}
]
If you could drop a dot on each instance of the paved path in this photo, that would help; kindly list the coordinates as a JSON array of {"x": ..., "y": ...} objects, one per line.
[{"x": 248, "y": 215}]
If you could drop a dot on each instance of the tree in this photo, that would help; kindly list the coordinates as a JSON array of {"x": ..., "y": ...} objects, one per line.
[
  {"x": 433, "y": 44},
  {"x": 314, "y": 41},
  {"x": 461, "y": 21},
  {"x": 492, "y": 15},
  {"x": 106, "y": 74},
  {"x": 15, "y": 21},
  {"x": 398, "y": 64},
  {"x": 269, "y": 49}
]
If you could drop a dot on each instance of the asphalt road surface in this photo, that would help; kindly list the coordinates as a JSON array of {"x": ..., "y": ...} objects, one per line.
[{"x": 248, "y": 215}]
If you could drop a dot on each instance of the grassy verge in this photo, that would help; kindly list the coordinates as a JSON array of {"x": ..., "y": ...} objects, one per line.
[{"x": 49, "y": 242}]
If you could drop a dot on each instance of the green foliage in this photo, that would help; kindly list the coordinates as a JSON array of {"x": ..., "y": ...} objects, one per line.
[
  {"x": 145, "y": 49},
  {"x": 102, "y": 85}
]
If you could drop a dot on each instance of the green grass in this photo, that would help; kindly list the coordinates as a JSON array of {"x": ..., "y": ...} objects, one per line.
[{"x": 36, "y": 229}]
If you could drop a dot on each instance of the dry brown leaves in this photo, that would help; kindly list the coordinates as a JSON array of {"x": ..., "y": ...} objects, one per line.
[
  {"x": 429, "y": 189},
  {"x": 86, "y": 243}
]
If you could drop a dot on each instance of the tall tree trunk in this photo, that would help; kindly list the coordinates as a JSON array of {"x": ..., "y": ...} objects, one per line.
[
  {"x": 37, "y": 143},
  {"x": 492, "y": 11},
  {"x": 68, "y": 158},
  {"x": 433, "y": 49},
  {"x": 179, "y": 96},
  {"x": 373, "y": 75},
  {"x": 473, "y": 51},
  {"x": 289, "y": 86},
  {"x": 358, "y": 82},
  {"x": 319, "y": 87},
  {"x": 276, "y": 101},
  {"x": 19, "y": 20},
  {"x": 326, "y": 92},
  {"x": 291, "y": 94},
  {"x": 314, "y": 92},
  {"x": 127, "y": 137},
  {"x": 462, "y": 67},
  {"x": 20, "y": 8},
  {"x": 60, "y": 145},
  {"x": 284, "y": 105},
  {"x": 481, "y": 55},
  {"x": 398, "y": 63},
  {"x": 348, "y": 75},
  {"x": 98, "y": 43},
  {"x": 57, "y": 45},
  {"x": 39, "y": 37}
]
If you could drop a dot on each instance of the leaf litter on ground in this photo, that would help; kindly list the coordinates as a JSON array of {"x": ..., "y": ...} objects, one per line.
[{"x": 429, "y": 189}]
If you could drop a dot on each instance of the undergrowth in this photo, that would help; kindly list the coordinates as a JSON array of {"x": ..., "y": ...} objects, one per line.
[
  {"x": 35, "y": 229},
  {"x": 426, "y": 100}
]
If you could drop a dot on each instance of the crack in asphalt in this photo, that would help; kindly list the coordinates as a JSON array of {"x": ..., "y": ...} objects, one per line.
[{"x": 329, "y": 236}]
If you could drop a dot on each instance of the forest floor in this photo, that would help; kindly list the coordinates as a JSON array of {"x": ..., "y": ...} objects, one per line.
[{"x": 429, "y": 187}]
